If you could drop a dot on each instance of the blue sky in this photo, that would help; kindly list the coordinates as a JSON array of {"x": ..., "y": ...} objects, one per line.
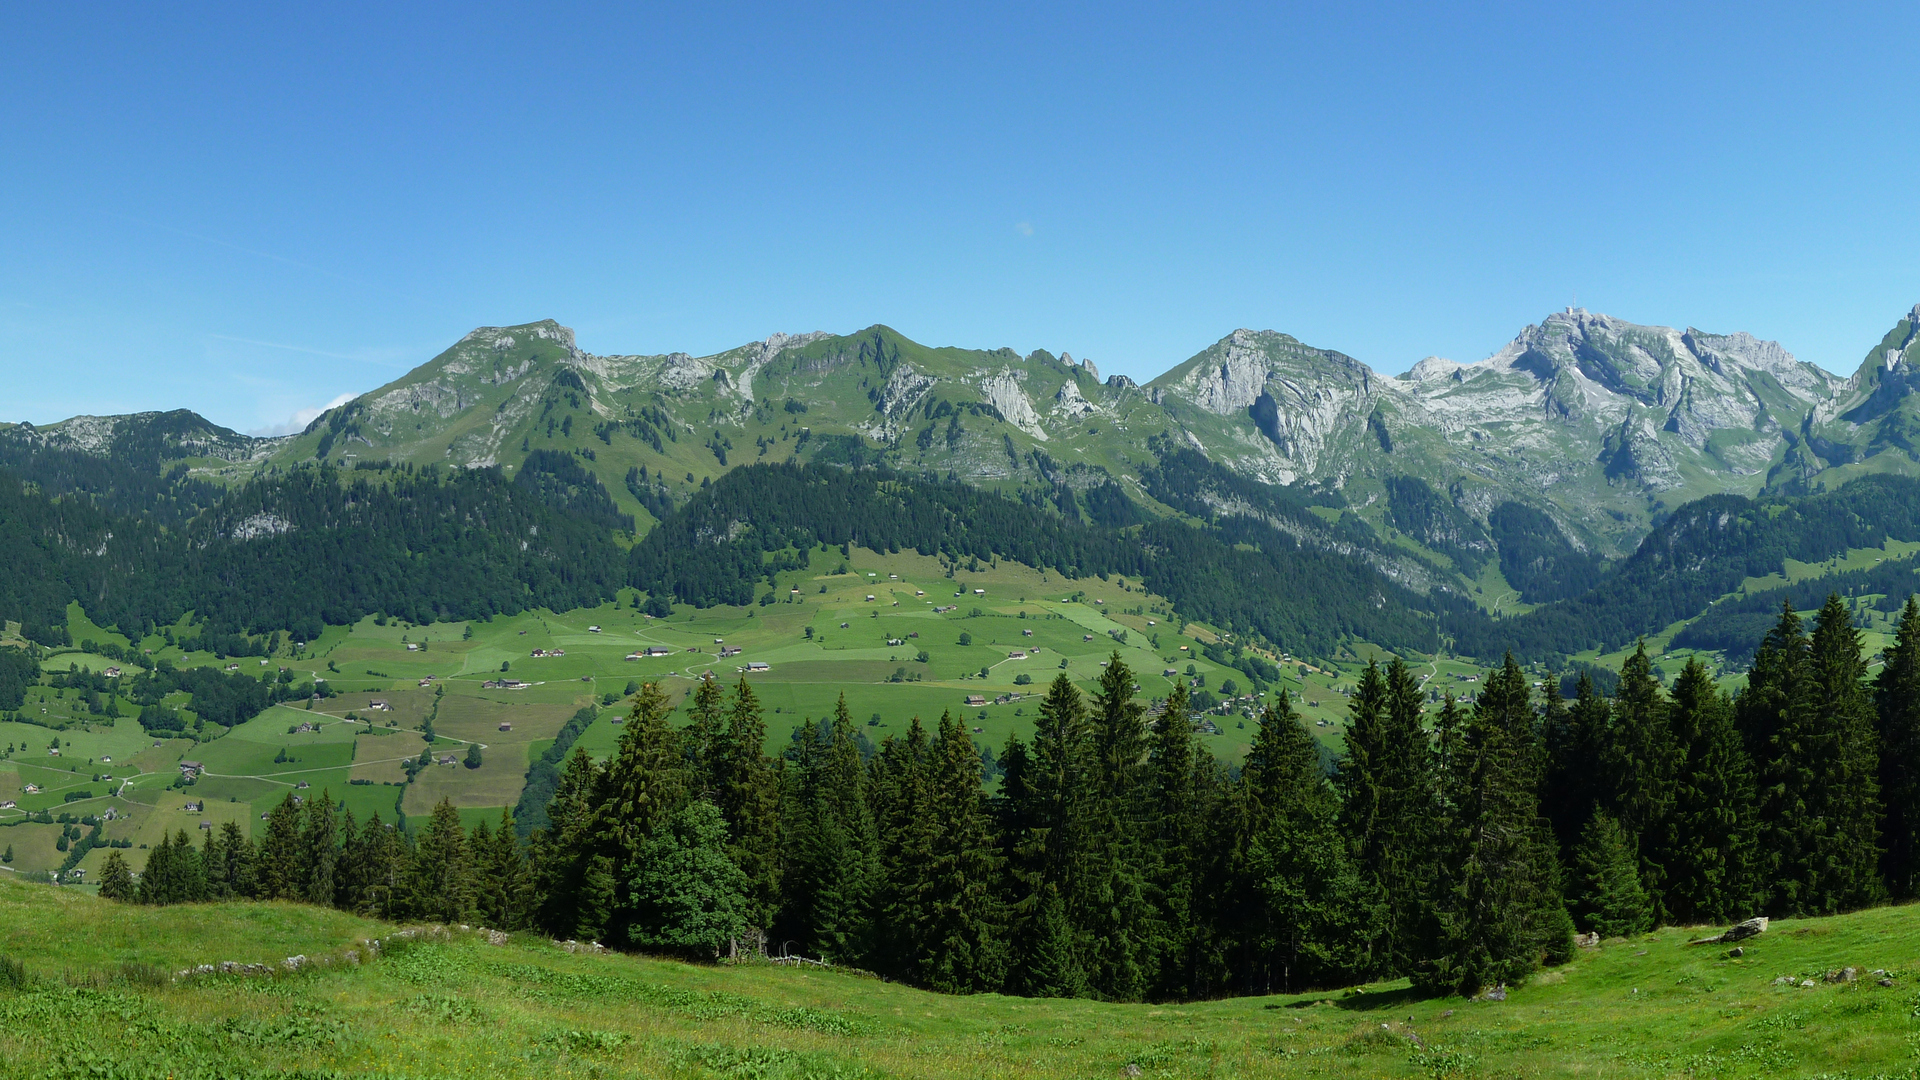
[{"x": 251, "y": 212}]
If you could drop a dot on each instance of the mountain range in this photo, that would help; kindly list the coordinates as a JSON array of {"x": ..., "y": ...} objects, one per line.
[{"x": 1583, "y": 433}]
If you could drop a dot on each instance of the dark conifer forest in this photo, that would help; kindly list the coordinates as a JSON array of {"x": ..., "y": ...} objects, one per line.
[{"x": 1463, "y": 846}]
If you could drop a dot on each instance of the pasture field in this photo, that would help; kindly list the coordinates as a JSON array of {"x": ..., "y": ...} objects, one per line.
[
  {"x": 892, "y": 632},
  {"x": 450, "y": 1005}
]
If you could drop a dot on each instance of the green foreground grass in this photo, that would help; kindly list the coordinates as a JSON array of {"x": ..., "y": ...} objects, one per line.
[{"x": 99, "y": 1000}]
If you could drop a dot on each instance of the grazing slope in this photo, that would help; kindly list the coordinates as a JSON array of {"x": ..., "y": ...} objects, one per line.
[{"x": 455, "y": 1006}]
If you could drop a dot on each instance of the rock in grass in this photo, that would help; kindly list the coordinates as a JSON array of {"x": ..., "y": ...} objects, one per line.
[{"x": 1738, "y": 932}]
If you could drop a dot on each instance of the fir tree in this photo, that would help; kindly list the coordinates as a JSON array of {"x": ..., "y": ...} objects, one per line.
[
  {"x": 116, "y": 881},
  {"x": 282, "y": 869},
  {"x": 1384, "y": 802},
  {"x": 701, "y": 739},
  {"x": 902, "y": 806},
  {"x": 1311, "y": 917},
  {"x": 832, "y": 845},
  {"x": 1897, "y": 700},
  {"x": 594, "y": 907},
  {"x": 1639, "y": 764},
  {"x": 319, "y": 842},
  {"x": 747, "y": 792},
  {"x": 1712, "y": 837},
  {"x": 440, "y": 885},
  {"x": 1572, "y": 738},
  {"x": 1609, "y": 897},
  {"x": 1114, "y": 913},
  {"x": 1497, "y": 908},
  {"x": 507, "y": 893},
  {"x": 962, "y": 943},
  {"x": 1049, "y": 966},
  {"x": 643, "y": 785},
  {"x": 1851, "y": 790},
  {"x": 1174, "y": 815},
  {"x": 1045, "y": 802},
  {"x": 561, "y": 851}
]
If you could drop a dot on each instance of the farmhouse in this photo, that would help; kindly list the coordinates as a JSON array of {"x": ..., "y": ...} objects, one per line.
[
  {"x": 506, "y": 725},
  {"x": 112, "y": 673},
  {"x": 444, "y": 759},
  {"x": 593, "y": 629},
  {"x": 31, "y": 789},
  {"x": 191, "y": 769},
  {"x": 729, "y": 650},
  {"x": 1017, "y": 654},
  {"x": 413, "y": 646},
  {"x": 757, "y": 665},
  {"x": 192, "y": 808},
  {"x": 8, "y": 804},
  {"x": 381, "y": 705},
  {"x": 976, "y": 699}
]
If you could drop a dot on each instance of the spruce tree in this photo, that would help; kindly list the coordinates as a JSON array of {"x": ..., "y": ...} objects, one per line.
[
  {"x": 1497, "y": 909},
  {"x": 902, "y": 806},
  {"x": 594, "y": 906},
  {"x": 1383, "y": 784},
  {"x": 1114, "y": 913},
  {"x": 1311, "y": 919},
  {"x": 642, "y": 786},
  {"x": 116, "y": 880},
  {"x": 1572, "y": 737},
  {"x": 831, "y": 845},
  {"x": 1639, "y": 764},
  {"x": 1044, "y": 805},
  {"x": 962, "y": 942},
  {"x": 1049, "y": 963},
  {"x": 1174, "y": 816},
  {"x": 509, "y": 888},
  {"x": 700, "y": 740},
  {"x": 282, "y": 865},
  {"x": 319, "y": 850},
  {"x": 1851, "y": 790},
  {"x": 747, "y": 792},
  {"x": 440, "y": 886},
  {"x": 562, "y": 850},
  {"x": 1712, "y": 839},
  {"x": 1609, "y": 898},
  {"x": 1897, "y": 706}
]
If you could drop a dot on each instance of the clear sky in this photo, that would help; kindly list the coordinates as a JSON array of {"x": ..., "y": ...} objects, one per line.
[{"x": 250, "y": 210}]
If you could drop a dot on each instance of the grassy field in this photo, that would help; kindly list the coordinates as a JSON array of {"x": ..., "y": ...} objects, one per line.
[
  {"x": 892, "y": 632},
  {"x": 100, "y": 1001}
]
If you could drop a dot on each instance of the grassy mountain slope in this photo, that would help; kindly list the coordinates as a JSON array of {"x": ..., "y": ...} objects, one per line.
[{"x": 451, "y": 1005}]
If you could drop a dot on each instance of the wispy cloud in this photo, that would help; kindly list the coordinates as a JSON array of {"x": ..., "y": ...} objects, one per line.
[
  {"x": 303, "y": 349},
  {"x": 301, "y": 417},
  {"x": 1024, "y": 228}
]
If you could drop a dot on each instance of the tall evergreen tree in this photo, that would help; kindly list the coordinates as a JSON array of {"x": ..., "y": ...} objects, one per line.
[
  {"x": 1572, "y": 738},
  {"x": 1609, "y": 898},
  {"x": 116, "y": 880},
  {"x": 282, "y": 869},
  {"x": 562, "y": 850},
  {"x": 832, "y": 845},
  {"x": 440, "y": 886},
  {"x": 1851, "y": 791},
  {"x": 1310, "y": 918},
  {"x": 506, "y": 885},
  {"x": 1712, "y": 840},
  {"x": 963, "y": 944},
  {"x": 1114, "y": 914},
  {"x": 1498, "y": 910},
  {"x": 747, "y": 792},
  {"x": 1897, "y": 705},
  {"x": 902, "y": 805},
  {"x": 1383, "y": 783},
  {"x": 641, "y": 787},
  {"x": 707, "y": 726},
  {"x": 1175, "y": 817},
  {"x": 1045, "y": 802},
  {"x": 319, "y": 843},
  {"x": 1639, "y": 763}
]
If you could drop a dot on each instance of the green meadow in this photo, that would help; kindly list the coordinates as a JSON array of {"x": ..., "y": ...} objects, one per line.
[{"x": 97, "y": 995}]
